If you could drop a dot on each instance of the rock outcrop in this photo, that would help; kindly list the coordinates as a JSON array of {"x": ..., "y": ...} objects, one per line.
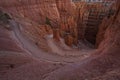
[{"x": 67, "y": 9}]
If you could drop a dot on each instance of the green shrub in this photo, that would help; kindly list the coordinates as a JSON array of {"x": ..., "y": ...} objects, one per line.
[
  {"x": 4, "y": 17},
  {"x": 48, "y": 21}
]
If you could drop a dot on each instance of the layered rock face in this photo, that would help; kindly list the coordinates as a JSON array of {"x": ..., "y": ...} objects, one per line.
[
  {"x": 76, "y": 22},
  {"x": 59, "y": 12},
  {"x": 65, "y": 7},
  {"x": 103, "y": 26},
  {"x": 104, "y": 64},
  {"x": 36, "y": 10},
  {"x": 13, "y": 53},
  {"x": 89, "y": 18},
  {"x": 68, "y": 26}
]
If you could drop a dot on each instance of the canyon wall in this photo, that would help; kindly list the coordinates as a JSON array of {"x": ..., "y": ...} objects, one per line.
[
  {"x": 36, "y": 10},
  {"x": 104, "y": 25},
  {"x": 54, "y": 13},
  {"x": 89, "y": 18},
  {"x": 67, "y": 20},
  {"x": 68, "y": 25},
  {"x": 59, "y": 13},
  {"x": 103, "y": 64}
]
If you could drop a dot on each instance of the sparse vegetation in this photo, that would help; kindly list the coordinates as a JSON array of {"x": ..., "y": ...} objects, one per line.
[
  {"x": 4, "y": 17},
  {"x": 48, "y": 21},
  {"x": 4, "y": 20},
  {"x": 11, "y": 66}
]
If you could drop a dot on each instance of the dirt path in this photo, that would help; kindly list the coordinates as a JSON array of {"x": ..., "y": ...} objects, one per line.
[
  {"x": 33, "y": 50},
  {"x": 65, "y": 52}
]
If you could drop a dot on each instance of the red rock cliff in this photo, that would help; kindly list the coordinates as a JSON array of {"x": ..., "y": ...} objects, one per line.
[
  {"x": 59, "y": 12},
  {"x": 36, "y": 10}
]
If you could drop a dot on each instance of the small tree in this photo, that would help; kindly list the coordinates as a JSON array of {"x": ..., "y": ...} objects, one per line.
[
  {"x": 48, "y": 21},
  {"x": 4, "y": 17}
]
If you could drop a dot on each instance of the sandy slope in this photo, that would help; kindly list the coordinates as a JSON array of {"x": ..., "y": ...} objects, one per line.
[{"x": 38, "y": 53}]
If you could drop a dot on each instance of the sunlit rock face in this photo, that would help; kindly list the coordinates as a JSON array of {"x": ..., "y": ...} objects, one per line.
[
  {"x": 66, "y": 10},
  {"x": 65, "y": 7}
]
